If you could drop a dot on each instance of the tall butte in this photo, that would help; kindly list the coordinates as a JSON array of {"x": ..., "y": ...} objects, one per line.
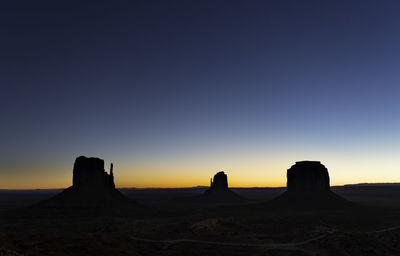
[
  {"x": 219, "y": 191},
  {"x": 92, "y": 187},
  {"x": 308, "y": 186},
  {"x": 307, "y": 177},
  {"x": 89, "y": 173}
]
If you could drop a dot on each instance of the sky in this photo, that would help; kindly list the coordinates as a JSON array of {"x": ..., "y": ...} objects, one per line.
[{"x": 172, "y": 91}]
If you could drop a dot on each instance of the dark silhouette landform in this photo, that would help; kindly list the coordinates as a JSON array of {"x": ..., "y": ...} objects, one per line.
[
  {"x": 219, "y": 191},
  {"x": 162, "y": 226},
  {"x": 217, "y": 194},
  {"x": 308, "y": 187},
  {"x": 92, "y": 187}
]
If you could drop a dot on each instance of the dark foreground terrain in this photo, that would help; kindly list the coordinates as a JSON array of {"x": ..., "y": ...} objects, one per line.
[{"x": 167, "y": 224}]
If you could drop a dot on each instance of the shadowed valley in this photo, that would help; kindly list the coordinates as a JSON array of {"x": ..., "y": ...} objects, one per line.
[{"x": 307, "y": 218}]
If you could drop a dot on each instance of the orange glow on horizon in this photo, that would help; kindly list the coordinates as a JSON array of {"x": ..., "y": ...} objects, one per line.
[{"x": 254, "y": 171}]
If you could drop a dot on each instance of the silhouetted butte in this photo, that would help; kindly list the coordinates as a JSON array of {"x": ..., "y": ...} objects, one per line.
[
  {"x": 92, "y": 187},
  {"x": 219, "y": 191},
  {"x": 308, "y": 186}
]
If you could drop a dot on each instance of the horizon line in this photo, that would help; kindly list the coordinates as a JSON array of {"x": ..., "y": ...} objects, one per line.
[{"x": 200, "y": 186}]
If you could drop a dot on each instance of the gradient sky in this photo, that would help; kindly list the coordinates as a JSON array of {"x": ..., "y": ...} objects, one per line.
[{"x": 173, "y": 91}]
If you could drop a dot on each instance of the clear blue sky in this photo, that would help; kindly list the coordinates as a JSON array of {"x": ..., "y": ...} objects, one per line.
[{"x": 174, "y": 91}]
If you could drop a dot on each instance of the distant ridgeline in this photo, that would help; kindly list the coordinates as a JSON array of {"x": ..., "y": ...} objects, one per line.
[
  {"x": 386, "y": 184},
  {"x": 92, "y": 187}
]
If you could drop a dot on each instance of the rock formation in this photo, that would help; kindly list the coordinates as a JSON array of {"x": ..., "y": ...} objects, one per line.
[
  {"x": 92, "y": 187},
  {"x": 307, "y": 176},
  {"x": 308, "y": 187},
  {"x": 90, "y": 173},
  {"x": 219, "y": 191},
  {"x": 220, "y": 182}
]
